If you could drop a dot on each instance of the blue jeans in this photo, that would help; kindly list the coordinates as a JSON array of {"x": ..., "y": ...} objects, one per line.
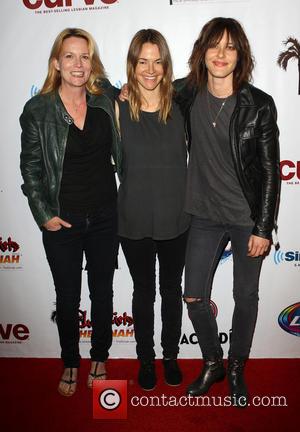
[
  {"x": 96, "y": 236},
  {"x": 207, "y": 240}
]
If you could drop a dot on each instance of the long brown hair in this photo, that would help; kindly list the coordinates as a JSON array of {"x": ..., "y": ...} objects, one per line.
[
  {"x": 210, "y": 35},
  {"x": 53, "y": 79},
  {"x": 166, "y": 89}
]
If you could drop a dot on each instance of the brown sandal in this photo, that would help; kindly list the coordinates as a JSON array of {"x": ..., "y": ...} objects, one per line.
[
  {"x": 94, "y": 375},
  {"x": 71, "y": 382}
]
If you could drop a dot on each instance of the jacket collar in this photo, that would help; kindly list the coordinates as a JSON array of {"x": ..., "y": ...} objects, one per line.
[
  {"x": 99, "y": 101},
  {"x": 62, "y": 110},
  {"x": 244, "y": 95}
]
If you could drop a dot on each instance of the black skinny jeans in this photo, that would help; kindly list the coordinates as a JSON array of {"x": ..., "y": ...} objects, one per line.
[
  {"x": 96, "y": 236},
  {"x": 141, "y": 259},
  {"x": 206, "y": 243}
]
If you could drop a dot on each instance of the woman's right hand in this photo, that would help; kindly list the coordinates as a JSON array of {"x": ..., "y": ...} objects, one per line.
[
  {"x": 55, "y": 224},
  {"x": 123, "y": 96}
]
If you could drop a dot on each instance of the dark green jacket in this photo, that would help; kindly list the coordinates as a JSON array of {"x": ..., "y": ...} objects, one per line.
[{"x": 45, "y": 126}]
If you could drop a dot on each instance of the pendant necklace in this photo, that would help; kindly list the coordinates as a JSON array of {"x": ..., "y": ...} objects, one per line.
[{"x": 214, "y": 120}]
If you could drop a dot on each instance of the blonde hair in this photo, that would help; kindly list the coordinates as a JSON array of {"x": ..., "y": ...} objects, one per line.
[
  {"x": 53, "y": 79},
  {"x": 166, "y": 89}
]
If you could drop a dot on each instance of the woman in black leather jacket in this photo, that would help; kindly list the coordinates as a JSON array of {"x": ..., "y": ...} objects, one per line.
[
  {"x": 232, "y": 192},
  {"x": 68, "y": 138}
]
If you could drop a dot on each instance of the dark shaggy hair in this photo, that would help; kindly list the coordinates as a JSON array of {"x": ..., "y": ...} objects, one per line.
[{"x": 210, "y": 35}]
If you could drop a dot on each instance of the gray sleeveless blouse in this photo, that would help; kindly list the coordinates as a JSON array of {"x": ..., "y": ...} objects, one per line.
[{"x": 152, "y": 193}]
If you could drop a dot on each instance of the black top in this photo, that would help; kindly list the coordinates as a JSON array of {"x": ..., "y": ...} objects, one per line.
[
  {"x": 152, "y": 193},
  {"x": 88, "y": 180},
  {"x": 213, "y": 190}
]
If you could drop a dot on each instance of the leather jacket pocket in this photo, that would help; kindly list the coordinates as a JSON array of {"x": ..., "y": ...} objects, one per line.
[{"x": 248, "y": 140}]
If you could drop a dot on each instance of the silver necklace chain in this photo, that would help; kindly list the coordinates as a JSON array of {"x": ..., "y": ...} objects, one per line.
[{"x": 214, "y": 120}]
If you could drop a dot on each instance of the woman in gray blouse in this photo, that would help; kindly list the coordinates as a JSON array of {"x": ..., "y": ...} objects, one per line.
[{"x": 152, "y": 222}]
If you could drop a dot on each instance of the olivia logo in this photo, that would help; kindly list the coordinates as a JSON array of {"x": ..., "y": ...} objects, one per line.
[
  {"x": 289, "y": 319},
  {"x": 36, "y": 4}
]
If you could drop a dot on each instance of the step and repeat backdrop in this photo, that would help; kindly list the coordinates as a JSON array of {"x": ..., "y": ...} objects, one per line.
[{"x": 28, "y": 29}]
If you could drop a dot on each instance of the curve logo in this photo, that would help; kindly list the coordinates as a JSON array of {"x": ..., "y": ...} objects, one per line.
[
  {"x": 13, "y": 333},
  {"x": 50, "y": 4},
  {"x": 227, "y": 253},
  {"x": 289, "y": 319},
  {"x": 290, "y": 256},
  {"x": 290, "y": 171}
]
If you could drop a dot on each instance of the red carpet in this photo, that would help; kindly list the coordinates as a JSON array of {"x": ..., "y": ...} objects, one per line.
[{"x": 30, "y": 402}]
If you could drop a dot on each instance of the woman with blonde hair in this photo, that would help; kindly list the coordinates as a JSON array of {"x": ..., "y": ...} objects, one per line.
[
  {"x": 151, "y": 198},
  {"x": 68, "y": 138}
]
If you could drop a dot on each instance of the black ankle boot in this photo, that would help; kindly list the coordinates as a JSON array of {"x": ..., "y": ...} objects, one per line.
[
  {"x": 213, "y": 371},
  {"x": 237, "y": 385},
  {"x": 147, "y": 375},
  {"x": 173, "y": 375}
]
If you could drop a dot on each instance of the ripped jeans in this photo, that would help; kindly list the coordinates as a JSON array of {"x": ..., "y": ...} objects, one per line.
[{"x": 206, "y": 242}]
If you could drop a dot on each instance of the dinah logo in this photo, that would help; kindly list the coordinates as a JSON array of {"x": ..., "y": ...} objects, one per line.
[
  {"x": 9, "y": 254},
  {"x": 122, "y": 326},
  {"x": 290, "y": 256},
  {"x": 289, "y": 319}
]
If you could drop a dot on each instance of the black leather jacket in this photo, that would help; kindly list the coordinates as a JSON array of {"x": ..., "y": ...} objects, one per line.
[
  {"x": 45, "y": 127},
  {"x": 254, "y": 143}
]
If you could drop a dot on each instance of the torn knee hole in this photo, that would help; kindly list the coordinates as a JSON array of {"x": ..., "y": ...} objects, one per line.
[{"x": 191, "y": 300}]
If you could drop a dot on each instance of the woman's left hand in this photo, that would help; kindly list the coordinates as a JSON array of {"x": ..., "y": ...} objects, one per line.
[
  {"x": 123, "y": 96},
  {"x": 56, "y": 223},
  {"x": 257, "y": 246}
]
